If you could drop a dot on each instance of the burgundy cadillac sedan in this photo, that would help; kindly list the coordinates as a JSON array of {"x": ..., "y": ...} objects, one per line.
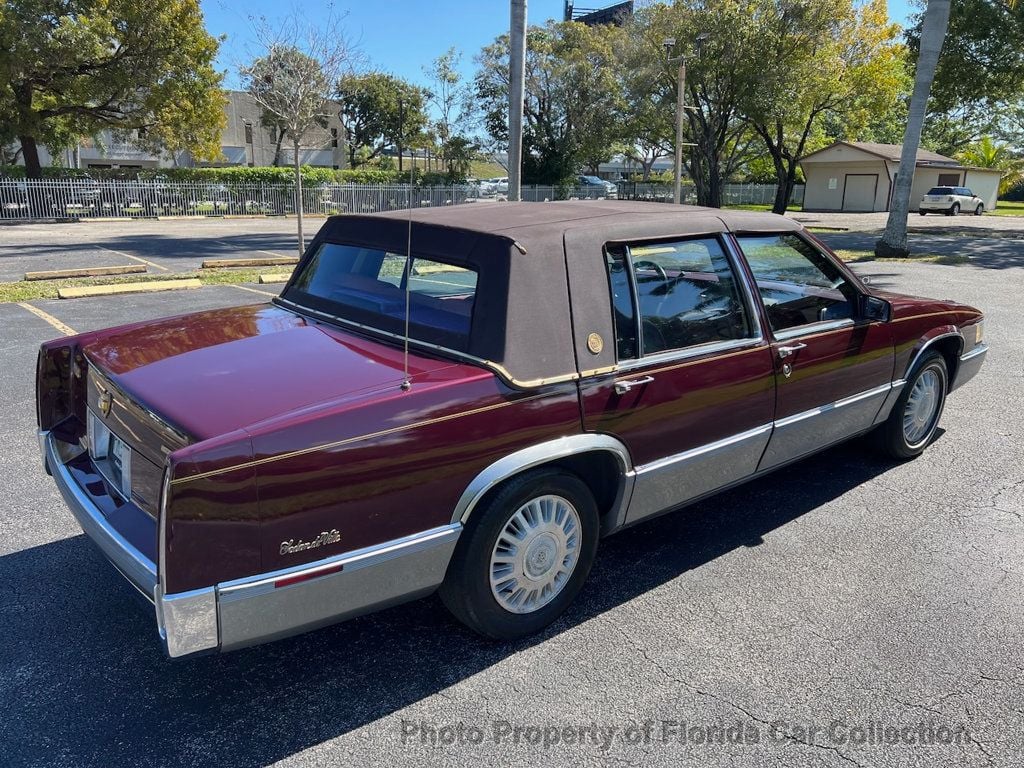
[{"x": 570, "y": 369}]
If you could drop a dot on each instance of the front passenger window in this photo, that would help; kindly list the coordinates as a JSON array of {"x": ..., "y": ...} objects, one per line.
[{"x": 797, "y": 283}]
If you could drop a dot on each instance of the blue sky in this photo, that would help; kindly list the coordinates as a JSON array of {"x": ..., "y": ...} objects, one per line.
[{"x": 401, "y": 36}]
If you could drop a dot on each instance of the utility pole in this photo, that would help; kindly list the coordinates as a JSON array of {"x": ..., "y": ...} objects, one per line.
[{"x": 516, "y": 81}]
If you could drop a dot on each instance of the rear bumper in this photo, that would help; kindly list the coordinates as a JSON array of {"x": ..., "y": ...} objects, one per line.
[
  {"x": 936, "y": 207},
  {"x": 970, "y": 364},
  {"x": 267, "y": 606}
]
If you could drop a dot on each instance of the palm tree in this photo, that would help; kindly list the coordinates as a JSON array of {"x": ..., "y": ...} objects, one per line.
[
  {"x": 987, "y": 153},
  {"x": 933, "y": 33}
]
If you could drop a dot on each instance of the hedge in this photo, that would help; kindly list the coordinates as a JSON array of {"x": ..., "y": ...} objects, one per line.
[{"x": 241, "y": 175}]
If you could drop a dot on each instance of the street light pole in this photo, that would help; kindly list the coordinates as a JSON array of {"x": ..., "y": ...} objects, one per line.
[{"x": 677, "y": 178}]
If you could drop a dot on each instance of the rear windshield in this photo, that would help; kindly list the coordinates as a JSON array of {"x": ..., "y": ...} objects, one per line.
[
  {"x": 940, "y": 191},
  {"x": 367, "y": 286}
]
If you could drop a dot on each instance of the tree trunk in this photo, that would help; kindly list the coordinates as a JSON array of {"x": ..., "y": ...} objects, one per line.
[
  {"x": 30, "y": 151},
  {"x": 933, "y": 33},
  {"x": 298, "y": 197},
  {"x": 277, "y": 148}
]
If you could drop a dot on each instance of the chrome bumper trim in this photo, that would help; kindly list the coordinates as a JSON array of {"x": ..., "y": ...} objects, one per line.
[
  {"x": 969, "y": 366},
  {"x": 187, "y": 621},
  {"x": 136, "y": 567},
  {"x": 260, "y": 608}
]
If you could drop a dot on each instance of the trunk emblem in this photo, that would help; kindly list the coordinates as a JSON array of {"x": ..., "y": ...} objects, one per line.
[
  {"x": 292, "y": 546},
  {"x": 106, "y": 400}
]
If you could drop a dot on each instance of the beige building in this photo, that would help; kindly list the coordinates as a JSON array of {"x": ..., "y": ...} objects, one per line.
[
  {"x": 859, "y": 176},
  {"x": 244, "y": 142}
]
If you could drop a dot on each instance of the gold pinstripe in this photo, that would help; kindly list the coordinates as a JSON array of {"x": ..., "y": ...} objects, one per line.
[{"x": 350, "y": 440}]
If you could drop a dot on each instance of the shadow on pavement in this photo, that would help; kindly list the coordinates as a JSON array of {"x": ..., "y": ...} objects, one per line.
[{"x": 84, "y": 682}]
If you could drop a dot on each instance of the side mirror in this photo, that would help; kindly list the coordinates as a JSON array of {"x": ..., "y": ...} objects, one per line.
[{"x": 874, "y": 308}]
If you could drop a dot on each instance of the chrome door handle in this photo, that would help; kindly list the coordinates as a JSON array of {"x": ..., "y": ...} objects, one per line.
[
  {"x": 790, "y": 350},
  {"x": 622, "y": 387}
]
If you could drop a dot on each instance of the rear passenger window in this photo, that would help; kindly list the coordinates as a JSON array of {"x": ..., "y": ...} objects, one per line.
[{"x": 670, "y": 296}]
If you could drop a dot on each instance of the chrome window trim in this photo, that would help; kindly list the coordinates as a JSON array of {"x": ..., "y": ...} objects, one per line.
[
  {"x": 813, "y": 328},
  {"x": 686, "y": 353},
  {"x": 533, "y": 456},
  {"x": 357, "y": 558},
  {"x": 822, "y": 409},
  {"x": 702, "y": 449},
  {"x": 671, "y": 355}
]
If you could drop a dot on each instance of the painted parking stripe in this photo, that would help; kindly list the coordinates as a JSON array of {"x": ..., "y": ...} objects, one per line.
[
  {"x": 134, "y": 258},
  {"x": 253, "y": 290},
  {"x": 253, "y": 250},
  {"x": 67, "y": 330}
]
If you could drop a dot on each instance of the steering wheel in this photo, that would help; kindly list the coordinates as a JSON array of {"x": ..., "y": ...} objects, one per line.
[{"x": 652, "y": 265}]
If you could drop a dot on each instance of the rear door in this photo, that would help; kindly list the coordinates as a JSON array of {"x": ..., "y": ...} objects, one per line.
[
  {"x": 691, "y": 393},
  {"x": 833, "y": 370}
]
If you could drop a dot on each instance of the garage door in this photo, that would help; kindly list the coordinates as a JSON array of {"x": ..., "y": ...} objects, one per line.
[{"x": 859, "y": 192}]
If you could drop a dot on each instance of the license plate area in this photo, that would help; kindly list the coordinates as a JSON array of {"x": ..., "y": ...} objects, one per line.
[{"x": 111, "y": 455}]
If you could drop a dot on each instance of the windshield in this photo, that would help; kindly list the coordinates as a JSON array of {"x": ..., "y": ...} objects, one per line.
[
  {"x": 367, "y": 286},
  {"x": 591, "y": 180},
  {"x": 940, "y": 191}
]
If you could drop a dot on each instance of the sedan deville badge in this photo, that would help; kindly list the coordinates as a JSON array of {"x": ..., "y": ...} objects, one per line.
[{"x": 291, "y": 546}]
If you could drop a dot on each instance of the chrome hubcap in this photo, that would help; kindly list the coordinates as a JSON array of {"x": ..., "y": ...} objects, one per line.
[
  {"x": 535, "y": 554},
  {"x": 922, "y": 407}
]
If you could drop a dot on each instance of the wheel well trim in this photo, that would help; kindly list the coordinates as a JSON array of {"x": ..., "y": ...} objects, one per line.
[
  {"x": 930, "y": 343},
  {"x": 535, "y": 456}
]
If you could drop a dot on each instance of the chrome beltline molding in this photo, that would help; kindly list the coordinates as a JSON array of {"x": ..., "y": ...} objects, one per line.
[
  {"x": 702, "y": 449},
  {"x": 834, "y": 405}
]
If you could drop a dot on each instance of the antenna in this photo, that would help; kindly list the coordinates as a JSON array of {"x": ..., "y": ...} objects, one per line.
[{"x": 406, "y": 381}]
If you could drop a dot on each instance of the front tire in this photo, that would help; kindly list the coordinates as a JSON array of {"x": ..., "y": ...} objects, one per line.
[
  {"x": 915, "y": 417},
  {"x": 923, "y": 213},
  {"x": 523, "y": 556}
]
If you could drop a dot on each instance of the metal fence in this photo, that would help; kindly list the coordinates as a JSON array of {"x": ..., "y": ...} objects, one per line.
[
  {"x": 85, "y": 198},
  {"x": 77, "y": 198}
]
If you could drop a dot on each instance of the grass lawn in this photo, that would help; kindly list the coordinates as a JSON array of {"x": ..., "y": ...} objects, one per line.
[
  {"x": 28, "y": 290},
  {"x": 1006, "y": 208},
  {"x": 484, "y": 169},
  {"x": 855, "y": 256}
]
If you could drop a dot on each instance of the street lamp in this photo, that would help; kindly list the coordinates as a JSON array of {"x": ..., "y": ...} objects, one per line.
[{"x": 669, "y": 43}]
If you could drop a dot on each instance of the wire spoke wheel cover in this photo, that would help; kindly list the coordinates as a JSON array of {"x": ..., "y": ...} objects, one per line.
[
  {"x": 535, "y": 554},
  {"x": 922, "y": 409}
]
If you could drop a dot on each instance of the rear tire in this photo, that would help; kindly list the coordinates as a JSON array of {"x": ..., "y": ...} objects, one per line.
[
  {"x": 915, "y": 416},
  {"x": 955, "y": 209},
  {"x": 980, "y": 209},
  {"x": 523, "y": 555},
  {"x": 923, "y": 213}
]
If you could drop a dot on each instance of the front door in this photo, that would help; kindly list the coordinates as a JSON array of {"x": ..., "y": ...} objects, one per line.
[
  {"x": 692, "y": 394},
  {"x": 833, "y": 370}
]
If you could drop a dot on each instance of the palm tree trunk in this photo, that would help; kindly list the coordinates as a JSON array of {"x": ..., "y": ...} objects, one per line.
[{"x": 933, "y": 33}]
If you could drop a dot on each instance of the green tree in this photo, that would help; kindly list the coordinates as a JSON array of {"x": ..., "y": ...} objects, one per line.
[
  {"x": 986, "y": 153},
  {"x": 77, "y": 67},
  {"x": 573, "y": 103},
  {"x": 824, "y": 60},
  {"x": 452, "y": 99},
  {"x": 380, "y": 111}
]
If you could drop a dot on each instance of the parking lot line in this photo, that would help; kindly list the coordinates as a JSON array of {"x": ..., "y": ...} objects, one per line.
[
  {"x": 252, "y": 290},
  {"x": 67, "y": 330},
  {"x": 255, "y": 250},
  {"x": 134, "y": 258}
]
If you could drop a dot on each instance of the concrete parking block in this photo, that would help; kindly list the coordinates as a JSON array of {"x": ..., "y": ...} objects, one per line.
[
  {"x": 58, "y": 274},
  {"x": 275, "y": 277},
  {"x": 110, "y": 290},
  {"x": 261, "y": 262}
]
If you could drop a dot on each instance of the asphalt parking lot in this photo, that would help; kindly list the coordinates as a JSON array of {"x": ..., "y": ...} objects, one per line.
[{"x": 788, "y": 622}]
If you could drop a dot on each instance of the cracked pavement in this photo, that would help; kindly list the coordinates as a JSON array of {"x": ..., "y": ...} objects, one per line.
[{"x": 829, "y": 601}]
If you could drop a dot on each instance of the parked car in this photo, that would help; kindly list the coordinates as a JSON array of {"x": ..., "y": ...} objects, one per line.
[
  {"x": 570, "y": 369},
  {"x": 951, "y": 201},
  {"x": 595, "y": 185},
  {"x": 499, "y": 185}
]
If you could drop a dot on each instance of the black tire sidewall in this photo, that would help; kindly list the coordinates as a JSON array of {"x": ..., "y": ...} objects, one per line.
[{"x": 470, "y": 576}]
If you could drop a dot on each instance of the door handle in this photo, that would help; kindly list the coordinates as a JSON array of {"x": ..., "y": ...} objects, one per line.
[
  {"x": 622, "y": 387},
  {"x": 790, "y": 350}
]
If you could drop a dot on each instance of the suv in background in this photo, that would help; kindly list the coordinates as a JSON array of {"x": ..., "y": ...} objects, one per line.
[
  {"x": 593, "y": 184},
  {"x": 950, "y": 201}
]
